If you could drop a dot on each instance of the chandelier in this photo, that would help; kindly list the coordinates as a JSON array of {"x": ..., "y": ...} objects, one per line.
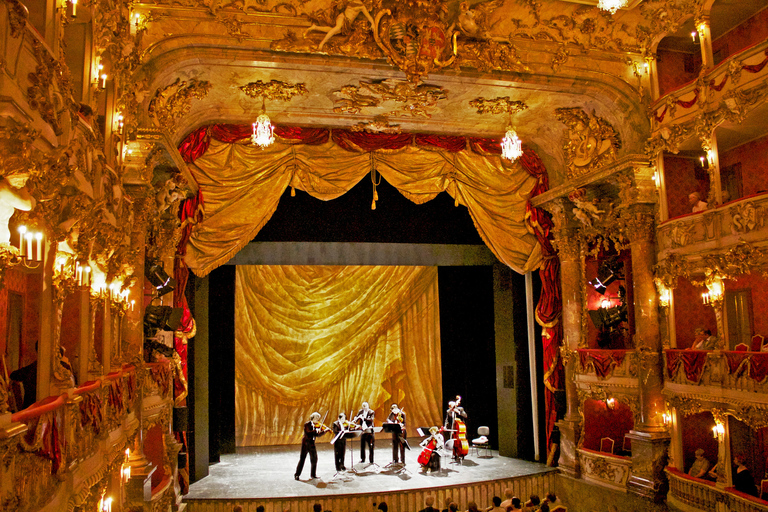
[
  {"x": 262, "y": 132},
  {"x": 511, "y": 145},
  {"x": 611, "y": 5}
]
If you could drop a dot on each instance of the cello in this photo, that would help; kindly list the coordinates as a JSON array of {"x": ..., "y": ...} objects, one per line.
[{"x": 426, "y": 453}]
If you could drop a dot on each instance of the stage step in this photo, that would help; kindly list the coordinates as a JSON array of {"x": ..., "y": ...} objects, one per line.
[{"x": 411, "y": 500}]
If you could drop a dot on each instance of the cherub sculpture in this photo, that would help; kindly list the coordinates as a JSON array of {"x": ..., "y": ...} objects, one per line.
[{"x": 351, "y": 10}]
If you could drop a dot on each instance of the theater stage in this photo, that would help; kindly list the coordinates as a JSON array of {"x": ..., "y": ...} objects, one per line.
[{"x": 264, "y": 476}]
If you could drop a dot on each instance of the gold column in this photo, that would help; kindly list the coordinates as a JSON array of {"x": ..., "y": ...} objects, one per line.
[
  {"x": 650, "y": 438},
  {"x": 568, "y": 243},
  {"x": 133, "y": 322}
]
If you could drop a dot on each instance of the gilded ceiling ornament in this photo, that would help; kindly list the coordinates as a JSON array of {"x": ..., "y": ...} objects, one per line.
[
  {"x": 559, "y": 58},
  {"x": 274, "y": 90},
  {"x": 500, "y": 105},
  {"x": 490, "y": 56},
  {"x": 234, "y": 26},
  {"x": 175, "y": 100},
  {"x": 345, "y": 15},
  {"x": 591, "y": 142},
  {"x": 379, "y": 124},
  {"x": 409, "y": 99},
  {"x": 49, "y": 92}
]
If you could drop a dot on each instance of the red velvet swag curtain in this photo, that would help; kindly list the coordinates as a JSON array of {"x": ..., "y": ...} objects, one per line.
[{"x": 550, "y": 303}]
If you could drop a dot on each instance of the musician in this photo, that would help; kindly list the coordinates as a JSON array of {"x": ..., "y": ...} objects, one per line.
[
  {"x": 397, "y": 415},
  {"x": 364, "y": 418},
  {"x": 433, "y": 442},
  {"x": 339, "y": 427},
  {"x": 455, "y": 412},
  {"x": 312, "y": 429}
]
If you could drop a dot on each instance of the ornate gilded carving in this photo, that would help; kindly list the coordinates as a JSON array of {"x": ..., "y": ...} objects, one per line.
[
  {"x": 640, "y": 224},
  {"x": 684, "y": 405},
  {"x": 338, "y": 21},
  {"x": 17, "y": 17},
  {"x": 568, "y": 244},
  {"x": 49, "y": 91},
  {"x": 591, "y": 141},
  {"x": 500, "y": 105},
  {"x": 668, "y": 138},
  {"x": 175, "y": 100},
  {"x": 379, "y": 124},
  {"x": 273, "y": 90},
  {"x": 746, "y": 217},
  {"x": 410, "y": 99}
]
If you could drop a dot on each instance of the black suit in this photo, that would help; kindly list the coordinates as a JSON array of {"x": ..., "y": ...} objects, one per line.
[
  {"x": 308, "y": 447},
  {"x": 367, "y": 437},
  {"x": 398, "y": 440},
  {"x": 339, "y": 447}
]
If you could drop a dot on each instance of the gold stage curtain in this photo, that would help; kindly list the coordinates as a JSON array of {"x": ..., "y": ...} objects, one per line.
[
  {"x": 327, "y": 338},
  {"x": 242, "y": 185}
]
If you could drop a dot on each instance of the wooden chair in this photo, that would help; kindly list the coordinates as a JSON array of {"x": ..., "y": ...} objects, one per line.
[
  {"x": 626, "y": 446},
  {"x": 764, "y": 489},
  {"x": 606, "y": 445},
  {"x": 741, "y": 347},
  {"x": 757, "y": 343}
]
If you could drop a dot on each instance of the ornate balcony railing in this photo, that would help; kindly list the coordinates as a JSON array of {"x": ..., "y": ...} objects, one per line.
[
  {"x": 741, "y": 72},
  {"x": 688, "y": 493},
  {"x": 605, "y": 469},
  {"x": 726, "y": 226},
  {"x": 62, "y": 440},
  {"x": 605, "y": 364},
  {"x": 730, "y": 370}
]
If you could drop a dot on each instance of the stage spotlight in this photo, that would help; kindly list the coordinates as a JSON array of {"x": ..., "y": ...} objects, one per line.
[
  {"x": 610, "y": 270},
  {"x": 161, "y": 318},
  {"x": 601, "y": 285},
  {"x": 159, "y": 278}
]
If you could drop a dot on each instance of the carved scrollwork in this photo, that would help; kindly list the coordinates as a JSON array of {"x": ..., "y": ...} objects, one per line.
[
  {"x": 409, "y": 99},
  {"x": 591, "y": 141},
  {"x": 175, "y": 100},
  {"x": 668, "y": 138},
  {"x": 17, "y": 17},
  {"x": 49, "y": 91},
  {"x": 274, "y": 90},
  {"x": 685, "y": 405},
  {"x": 500, "y": 105},
  {"x": 746, "y": 217}
]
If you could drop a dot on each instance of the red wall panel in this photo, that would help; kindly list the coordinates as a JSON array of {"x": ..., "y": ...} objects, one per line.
[
  {"x": 757, "y": 284},
  {"x": 681, "y": 179},
  {"x": 671, "y": 69},
  {"x": 753, "y": 157},
  {"x": 752, "y": 31},
  {"x": 697, "y": 433},
  {"x": 599, "y": 422},
  {"x": 691, "y": 312}
]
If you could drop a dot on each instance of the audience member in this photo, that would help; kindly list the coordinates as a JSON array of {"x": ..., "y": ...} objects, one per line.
[
  {"x": 472, "y": 507},
  {"x": 429, "y": 501},
  {"x": 532, "y": 505},
  {"x": 552, "y": 499},
  {"x": 453, "y": 507},
  {"x": 697, "y": 205},
  {"x": 317, "y": 507},
  {"x": 742, "y": 477},
  {"x": 237, "y": 508},
  {"x": 508, "y": 495},
  {"x": 700, "y": 466},
  {"x": 544, "y": 507},
  {"x": 260, "y": 508},
  {"x": 448, "y": 501},
  {"x": 383, "y": 506},
  {"x": 516, "y": 505},
  {"x": 496, "y": 507}
]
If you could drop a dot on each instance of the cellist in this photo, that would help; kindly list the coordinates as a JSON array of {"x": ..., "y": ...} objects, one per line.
[
  {"x": 430, "y": 457},
  {"x": 455, "y": 422}
]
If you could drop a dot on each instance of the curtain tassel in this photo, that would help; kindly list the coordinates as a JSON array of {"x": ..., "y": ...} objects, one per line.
[
  {"x": 293, "y": 192},
  {"x": 456, "y": 201},
  {"x": 373, "y": 204}
]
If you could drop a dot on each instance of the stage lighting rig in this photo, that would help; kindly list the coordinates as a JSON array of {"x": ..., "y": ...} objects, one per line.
[
  {"x": 609, "y": 271},
  {"x": 156, "y": 274},
  {"x": 161, "y": 318}
]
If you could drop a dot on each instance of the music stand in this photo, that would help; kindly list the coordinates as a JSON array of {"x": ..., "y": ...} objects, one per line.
[
  {"x": 351, "y": 434},
  {"x": 393, "y": 428},
  {"x": 346, "y": 434}
]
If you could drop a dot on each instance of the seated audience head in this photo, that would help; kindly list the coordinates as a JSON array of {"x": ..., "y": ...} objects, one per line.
[
  {"x": 496, "y": 501},
  {"x": 544, "y": 507},
  {"x": 260, "y": 508},
  {"x": 509, "y": 494},
  {"x": 551, "y": 497},
  {"x": 472, "y": 506},
  {"x": 516, "y": 503},
  {"x": 317, "y": 507},
  {"x": 533, "y": 500},
  {"x": 383, "y": 506},
  {"x": 429, "y": 501},
  {"x": 237, "y": 508},
  {"x": 453, "y": 507}
]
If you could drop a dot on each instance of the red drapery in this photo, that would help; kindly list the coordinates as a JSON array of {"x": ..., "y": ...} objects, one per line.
[
  {"x": 604, "y": 361},
  {"x": 550, "y": 303},
  {"x": 693, "y": 362},
  {"x": 757, "y": 362}
]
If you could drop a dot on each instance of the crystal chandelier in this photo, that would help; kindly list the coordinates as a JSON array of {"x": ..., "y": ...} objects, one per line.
[
  {"x": 511, "y": 145},
  {"x": 262, "y": 131},
  {"x": 611, "y": 5}
]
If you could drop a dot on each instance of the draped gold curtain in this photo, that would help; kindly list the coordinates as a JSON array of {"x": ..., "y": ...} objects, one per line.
[
  {"x": 242, "y": 185},
  {"x": 327, "y": 338}
]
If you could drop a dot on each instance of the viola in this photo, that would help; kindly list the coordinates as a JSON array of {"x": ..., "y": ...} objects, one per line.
[
  {"x": 320, "y": 428},
  {"x": 460, "y": 443}
]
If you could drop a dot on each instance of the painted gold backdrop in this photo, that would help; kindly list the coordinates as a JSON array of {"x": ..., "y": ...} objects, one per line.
[{"x": 327, "y": 338}]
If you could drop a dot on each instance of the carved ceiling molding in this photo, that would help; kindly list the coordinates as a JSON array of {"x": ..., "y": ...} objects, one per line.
[
  {"x": 591, "y": 141},
  {"x": 499, "y": 105},
  {"x": 274, "y": 90},
  {"x": 410, "y": 100},
  {"x": 379, "y": 124},
  {"x": 175, "y": 100}
]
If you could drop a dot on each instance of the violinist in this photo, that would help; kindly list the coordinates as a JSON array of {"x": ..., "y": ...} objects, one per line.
[
  {"x": 312, "y": 429},
  {"x": 364, "y": 418},
  {"x": 340, "y": 427},
  {"x": 397, "y": 415}
]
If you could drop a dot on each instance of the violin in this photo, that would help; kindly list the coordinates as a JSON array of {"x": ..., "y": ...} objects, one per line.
[{"x": 320, "y": 428}]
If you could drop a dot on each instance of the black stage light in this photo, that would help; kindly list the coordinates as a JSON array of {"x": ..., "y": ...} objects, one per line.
[
  {"x": 161, "y": 318},
  {"x": 159, "y": 278}
]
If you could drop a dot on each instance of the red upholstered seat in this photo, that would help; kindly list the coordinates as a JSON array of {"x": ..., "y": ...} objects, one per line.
[
  {"x": 757, "y": 343},
  {"x": 606, "y": 445},
  {"x": 741, "y": 347}
]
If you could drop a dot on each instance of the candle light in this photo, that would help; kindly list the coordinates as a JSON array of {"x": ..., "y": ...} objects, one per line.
[
  {"x": 39, "y": 238},
  {"x": 29, "y": 237},
  {"x": 79, "y": 274},
  {"x": 22, "y": 230},
  {"x": 693, "y": 35},
  {"x": 103, "y": 80},
  {"x": 133, "y": 303},
  {"x": 74, "y": 8},
  {"x": 87, "y": 275}
]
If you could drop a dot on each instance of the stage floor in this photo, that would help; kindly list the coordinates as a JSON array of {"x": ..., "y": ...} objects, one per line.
[{"x": 262, "y": 473}]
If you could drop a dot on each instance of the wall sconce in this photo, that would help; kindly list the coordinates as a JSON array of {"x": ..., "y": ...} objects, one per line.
[
  {"x": 31, "y": 253},
  {"x": 711, "y": 157},
  {"x": 101, "y": 77},
  {"x": 718, "y": 432},
  {"x": 106, "y": 504},
  {"x": 695, "y": 36},
  {"x": 610, "y": 403},
  {"x": 701, "y": 28},
  {"x": 119, "y": 123},
  {"x": 667, "y": 419},
  {"x": 714, "y": 292}
]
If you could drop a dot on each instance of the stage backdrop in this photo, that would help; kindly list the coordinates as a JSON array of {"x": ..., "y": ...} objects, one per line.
[{"x": 327, "y": 338}]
